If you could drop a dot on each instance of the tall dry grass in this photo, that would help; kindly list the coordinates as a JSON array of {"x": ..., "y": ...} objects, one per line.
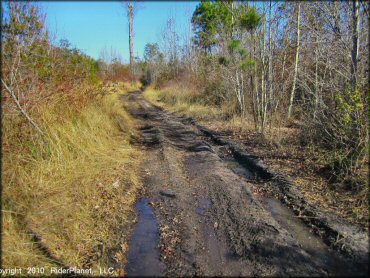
[
  {"x": 189, "y": 101},
  {"x": 181, "y": 99},
  {"x": 73, "y": 188}
]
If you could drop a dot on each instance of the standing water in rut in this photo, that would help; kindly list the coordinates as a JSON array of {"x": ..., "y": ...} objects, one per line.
[{"x": 144, "y": 256}]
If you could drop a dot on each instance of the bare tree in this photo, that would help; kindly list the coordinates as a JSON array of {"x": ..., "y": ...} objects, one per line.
[
  {"x": 270, "y": 57},
  {"x": 169, "y": 42},
  {"x": 355, "y": 46},
  {"x": 296, "y": 61},
  {"x": 131, "y": 9},
  {"x": 19, "y": 40}
]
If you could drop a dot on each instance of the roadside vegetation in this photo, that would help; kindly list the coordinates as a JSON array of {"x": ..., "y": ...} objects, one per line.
[
  {"x": 288, "y": 79},
  {"x": 69, "y": 172}
]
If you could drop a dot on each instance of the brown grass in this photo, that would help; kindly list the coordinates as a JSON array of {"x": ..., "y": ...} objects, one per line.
[
  {"x": 75, "y": 188},
  {"x": 180, "y": 100}
]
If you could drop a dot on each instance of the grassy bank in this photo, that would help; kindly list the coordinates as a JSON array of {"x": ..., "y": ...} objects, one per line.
[{"x": 73, "y": 188}]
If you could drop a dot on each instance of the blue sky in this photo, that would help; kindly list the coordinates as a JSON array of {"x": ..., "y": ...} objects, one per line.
[{"x": 91, "y": 26}]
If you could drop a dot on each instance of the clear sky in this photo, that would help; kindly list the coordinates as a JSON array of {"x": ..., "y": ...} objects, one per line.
[{"x": 91, "y": 26}]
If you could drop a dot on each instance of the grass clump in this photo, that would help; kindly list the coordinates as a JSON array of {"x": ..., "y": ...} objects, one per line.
[
  {"x": 182, "y": 100},
  {"x": 189, "y": 102},
  {"x": 75, "y": 187}
]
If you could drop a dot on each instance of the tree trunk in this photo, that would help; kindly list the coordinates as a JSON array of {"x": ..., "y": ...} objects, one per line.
[
  {"x": 255, "y": 81},
  {"x": 283, "y": 82},
  {"x": 263, "y": 75},
  {"x": 232, "y": 20},
  {"x": 174, "y": 46},
  {"x": 316, "y": 77},
  {"x": 296, "y": 62},
  {"x": 355, "y": 46},
  {"x": 270, "y": 66},
  {"x": 130, "y": 13}
]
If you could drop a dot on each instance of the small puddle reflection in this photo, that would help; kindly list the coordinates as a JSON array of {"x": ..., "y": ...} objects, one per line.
[
  {"x": 204, "y": 204},
  {"x": 286, "y": 218},
  {"x": 238, "y": 169},
  {"x": 144, "y": 254},
  {"x": 312, "y": 244}
]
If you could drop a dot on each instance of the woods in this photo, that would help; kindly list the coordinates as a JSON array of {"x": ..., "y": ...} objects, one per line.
[{"x": 280, "y": 63}]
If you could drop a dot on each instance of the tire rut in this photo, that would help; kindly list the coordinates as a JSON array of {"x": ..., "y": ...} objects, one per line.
[{"x": 214, "y": 225}]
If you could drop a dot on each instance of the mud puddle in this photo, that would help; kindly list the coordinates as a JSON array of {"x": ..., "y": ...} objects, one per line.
[
  {"x": 232, "y": 163},
  {"x": 204, "y": 204},
  {"x": 144, "y": 254},
  {"x": 237, "y": 169},
  {"x": 312, "y": 244}
]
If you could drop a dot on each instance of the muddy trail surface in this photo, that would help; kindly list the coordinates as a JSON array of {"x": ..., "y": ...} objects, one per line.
[{"x": 201, "y": 212}]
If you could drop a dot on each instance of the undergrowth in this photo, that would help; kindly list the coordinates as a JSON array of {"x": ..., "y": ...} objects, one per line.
[
  {"x": 180, "y": 99},
  {"x": 190, "y": 103}
]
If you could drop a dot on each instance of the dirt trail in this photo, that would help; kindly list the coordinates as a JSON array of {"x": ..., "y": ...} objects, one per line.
[{"x": 209, "y": 219}]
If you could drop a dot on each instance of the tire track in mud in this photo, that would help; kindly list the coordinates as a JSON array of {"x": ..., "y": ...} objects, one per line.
[{"x": 213, "y": 224}]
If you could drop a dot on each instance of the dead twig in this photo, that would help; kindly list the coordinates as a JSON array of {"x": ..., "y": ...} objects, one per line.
[{"x": 24, "y": 113}]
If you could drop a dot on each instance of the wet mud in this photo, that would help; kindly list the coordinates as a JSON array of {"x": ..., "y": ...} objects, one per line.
[
  {"x": 144, "y": 254},
  {"x": 213, "y": 219}
]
